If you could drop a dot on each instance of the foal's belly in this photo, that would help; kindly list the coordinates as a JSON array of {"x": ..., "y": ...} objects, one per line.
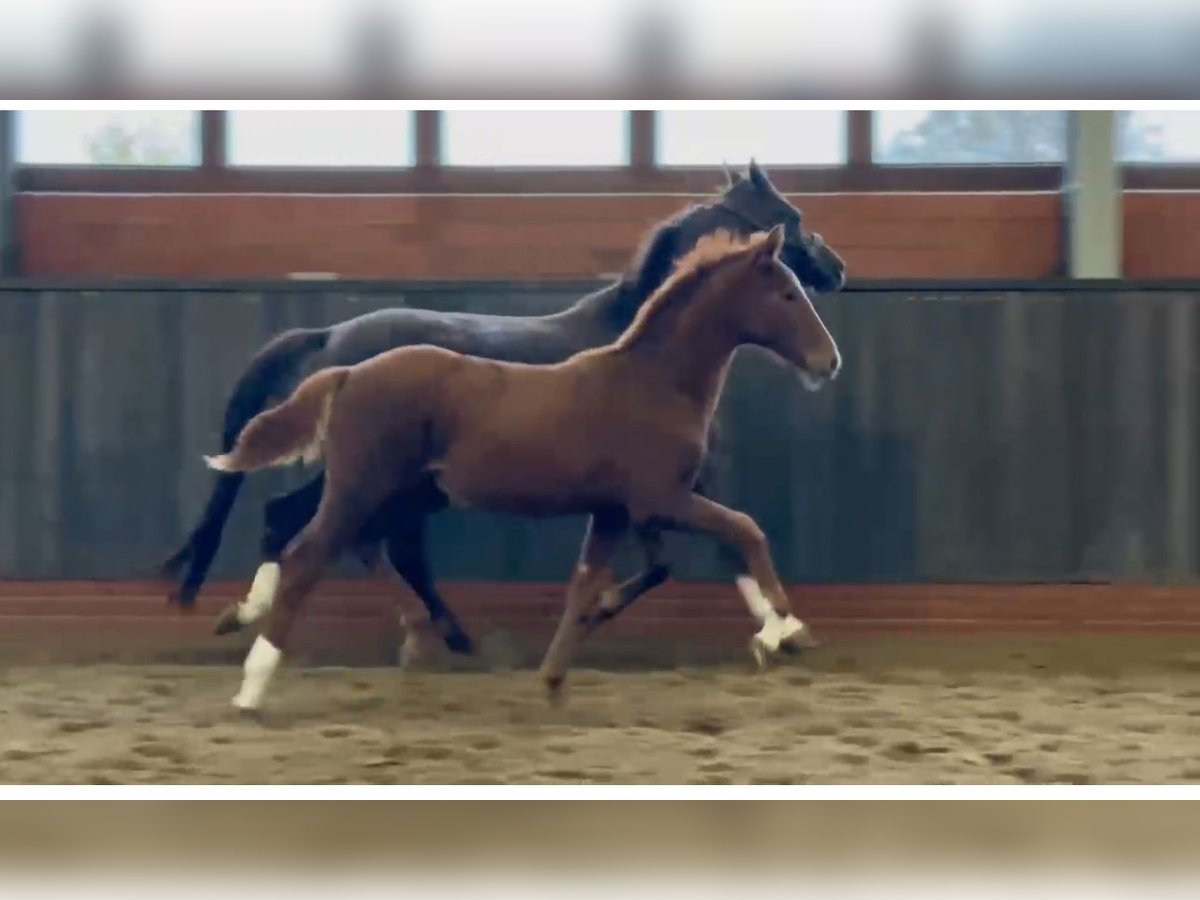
[
  {"x": 541, "y": 442},
  {"x": 541, "y": 462},
  {"x": 526, "y": 479}
]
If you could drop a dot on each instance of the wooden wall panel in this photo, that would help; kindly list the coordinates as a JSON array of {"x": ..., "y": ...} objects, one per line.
[{"x": 486, "y": 237}]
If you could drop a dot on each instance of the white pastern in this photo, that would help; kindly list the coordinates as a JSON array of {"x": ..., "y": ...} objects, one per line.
[
  {"x": 261, "y": 663},
  {"x": 791, "y": 627}
]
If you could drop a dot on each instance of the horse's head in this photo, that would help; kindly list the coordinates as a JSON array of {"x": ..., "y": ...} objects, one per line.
[
  {"x": 763, "y": 303},
  {"x": 749, "y": 204}
]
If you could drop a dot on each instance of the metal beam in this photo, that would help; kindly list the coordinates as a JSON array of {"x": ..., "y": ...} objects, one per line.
[
  {"x": 1092, "y": 198},
  {"x": 9, "y": 257}
]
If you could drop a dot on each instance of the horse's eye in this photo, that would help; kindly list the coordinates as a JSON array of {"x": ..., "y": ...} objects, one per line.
[{"x": 790, "y": 296}]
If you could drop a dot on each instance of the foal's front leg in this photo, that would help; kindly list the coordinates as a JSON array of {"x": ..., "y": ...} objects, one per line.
[
  {"x": 793, "y": 636},
  {"x": 741, "y": 533},
  {"x": 593, "y": 572}
]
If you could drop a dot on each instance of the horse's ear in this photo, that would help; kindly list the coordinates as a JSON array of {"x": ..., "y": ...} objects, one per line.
[
  {"x": 733, "y": 177},
  {"x": 757, "y": 176},
  {"x": 773, "y": 243}
]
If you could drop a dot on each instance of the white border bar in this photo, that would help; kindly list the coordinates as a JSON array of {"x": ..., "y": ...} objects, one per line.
[
  {"x": 600, "y": 792},
  {"x": 603, "y": 104}
]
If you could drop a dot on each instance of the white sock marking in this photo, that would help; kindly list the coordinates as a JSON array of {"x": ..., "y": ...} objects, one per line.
[
  {"x": 756, "y": 600},
  {"x": 790, "y": 626},
  {"x": 261, "y": 663},
  {"x": 773, "y": 627},
  {"x": 262, "y": 594}
]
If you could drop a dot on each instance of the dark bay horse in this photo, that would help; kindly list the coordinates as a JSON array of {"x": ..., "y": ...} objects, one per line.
[
  {"x": 748, "y": 203},
  {"x": 618, "y": 433}
]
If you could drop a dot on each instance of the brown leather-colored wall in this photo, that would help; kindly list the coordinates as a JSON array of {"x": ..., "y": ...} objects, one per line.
[
  {"x": 356, "y": 623},
  {"x": 1162, "y": 234},
  {"x": 497, "y": 237}
]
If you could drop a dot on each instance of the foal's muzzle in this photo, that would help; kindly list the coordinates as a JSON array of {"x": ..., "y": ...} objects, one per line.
[{"x": 817, "y": 372}]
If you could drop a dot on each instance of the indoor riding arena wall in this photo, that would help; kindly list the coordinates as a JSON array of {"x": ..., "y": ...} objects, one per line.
[{"x": 1018, "y": 456}]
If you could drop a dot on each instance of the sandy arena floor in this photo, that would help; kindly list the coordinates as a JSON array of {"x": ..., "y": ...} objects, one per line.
[{"x": 901, "y": 710}]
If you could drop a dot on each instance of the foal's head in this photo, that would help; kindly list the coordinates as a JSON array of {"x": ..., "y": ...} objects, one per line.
[{"x": 762, "y": 302}]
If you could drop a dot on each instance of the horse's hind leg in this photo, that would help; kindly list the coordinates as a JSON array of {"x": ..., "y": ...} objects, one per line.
[
  {"x": 283, "y": 519},
  {"x": 617, "y": 599},
  {"x": 301, "y": 569},
  {"x": 407, "y": 554},
  {"x": 301, "y": 566}
]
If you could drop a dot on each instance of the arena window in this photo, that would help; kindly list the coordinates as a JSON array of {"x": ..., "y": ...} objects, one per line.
[
  {"x": 160, "y": 138},
  {"x": 333, "y": 139},
  {"x": 969, "y": 137},
  {"x": 519, "y": 152},
  {"x": 529, "y": 138},
  {"x": 1149, "y": 137},
  {"x": 774, "y": 138}
]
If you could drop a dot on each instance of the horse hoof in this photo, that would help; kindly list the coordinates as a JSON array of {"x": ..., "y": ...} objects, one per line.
[
  {"x": 459, "y": 642},
  {"x": 798, "y": 641},
  {"x": 410, "y": 656},
  {"x": 227, "y": 623},
  {"x": 556, "y": 691},
  {"x": 761, "y": 653},
  {"x": 246, "y": 713}
]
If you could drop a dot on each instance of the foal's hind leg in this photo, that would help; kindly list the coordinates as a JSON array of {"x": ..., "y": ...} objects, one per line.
[
  {"x": 615, "y": 600},
  {"x": 283, "y": 519},
  {"x": 301, "y": 566}
]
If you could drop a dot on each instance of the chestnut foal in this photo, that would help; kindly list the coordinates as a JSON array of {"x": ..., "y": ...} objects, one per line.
[{"x": 616, "y": 432}]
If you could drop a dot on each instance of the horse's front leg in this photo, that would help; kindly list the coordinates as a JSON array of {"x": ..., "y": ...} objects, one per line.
[
  {"x": 604, "y": 534},
  {"x": 742, "y": 536},
  {"x": 793, "y": 636}
]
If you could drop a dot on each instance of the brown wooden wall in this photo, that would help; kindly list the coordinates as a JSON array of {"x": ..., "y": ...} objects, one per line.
[
  {"x": 1162, "y": 234},
  {"x": 892, "y": 235},
  {"x": 419, "y": 237},
  {"x": 357, "y": 622}
]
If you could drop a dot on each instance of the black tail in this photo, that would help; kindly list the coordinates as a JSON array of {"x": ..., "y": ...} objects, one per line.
[{"x": 267, "y": 379}]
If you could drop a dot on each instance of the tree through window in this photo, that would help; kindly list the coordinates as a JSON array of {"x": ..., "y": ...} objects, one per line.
[{"x": 109, "y": 138}]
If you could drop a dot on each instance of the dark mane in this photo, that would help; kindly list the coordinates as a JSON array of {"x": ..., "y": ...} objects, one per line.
[
  {"x": 659, "y": 249},
  {"x": 655, "y": 257}
]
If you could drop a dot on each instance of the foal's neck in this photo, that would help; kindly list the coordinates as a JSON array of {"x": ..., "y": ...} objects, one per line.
[{"x": 685, "y": 351}]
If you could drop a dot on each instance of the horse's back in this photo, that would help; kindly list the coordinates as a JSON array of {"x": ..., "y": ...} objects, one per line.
[{"x": 515, "y": 338}]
